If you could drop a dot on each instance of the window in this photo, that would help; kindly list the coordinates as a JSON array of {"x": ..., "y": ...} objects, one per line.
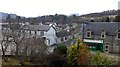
[
  {"x": 30, "y": 32},
  {"x": 90, "y": 46},
  {"x": 62, "y": 39},
  {"x": 88, "y": 34},
  {"x": 106, "y": 48},
  {"x": 103, "y": 35},
  {"x": 42, "y": 33},
  {"x": 118, "y": 34},
  {"x": 66, "y": 38},
  {"x": 35, "y": 32}
]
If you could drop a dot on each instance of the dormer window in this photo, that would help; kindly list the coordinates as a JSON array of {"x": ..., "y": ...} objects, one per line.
[
  {"x": 103, "y": 34},
  {"x": 118, "y": 34},
  {"x": 88, "y": 34}
]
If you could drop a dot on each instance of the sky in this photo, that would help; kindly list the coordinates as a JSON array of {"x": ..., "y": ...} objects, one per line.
[{"x": 34, "y": 8}]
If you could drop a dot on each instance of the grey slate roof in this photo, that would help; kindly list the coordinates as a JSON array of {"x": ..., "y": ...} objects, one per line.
[
  {"x": 36, "y": 27},
  {"x": 62, "y": 33},
  {"x": 11, "y": 26},
  {"x": 97, "y": 27}
]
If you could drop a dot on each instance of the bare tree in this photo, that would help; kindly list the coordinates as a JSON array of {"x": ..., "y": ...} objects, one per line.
[
  {"x": 6, "y": 36},
  {"x": 18, "y": 36},
  {"x": 34, "y": 49},
  {"x": 15, "y": 28},
  {"x": 5, "y": 40},
  {"x": 14, "y": 32}
]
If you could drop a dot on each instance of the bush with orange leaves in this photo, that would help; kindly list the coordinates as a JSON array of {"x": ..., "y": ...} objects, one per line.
[
  {"x": 78, "y": 54},
  {"x": 83, "y": 55}
]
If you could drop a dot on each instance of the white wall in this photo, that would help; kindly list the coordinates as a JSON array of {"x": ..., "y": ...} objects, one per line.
[{"x": 51, "y": 35}]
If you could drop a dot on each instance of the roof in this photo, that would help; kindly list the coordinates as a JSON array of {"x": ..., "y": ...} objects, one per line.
[
  {"x": 48, "y": 23},
  {"x": 62, "y": 33},
  {"x": 36, "y": 27},
  {"x": 97, "y": 27},
  {"x": 11, "y": 26}
]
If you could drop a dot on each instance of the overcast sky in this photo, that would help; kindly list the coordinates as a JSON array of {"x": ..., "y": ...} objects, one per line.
[{"x": 33, "y": 8}]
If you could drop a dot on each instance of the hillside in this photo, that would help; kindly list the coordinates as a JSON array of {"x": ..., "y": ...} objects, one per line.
[
  {"x": 63, "y": 19},
  {"x": 104, "y": 13}
]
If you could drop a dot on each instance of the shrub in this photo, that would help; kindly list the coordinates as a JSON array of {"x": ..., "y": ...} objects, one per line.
[
  {"x": 72, "y": 56},
  {"x": 99, "y": 58},
  {"x": 83, "y": 55},
  {"x": 58, "y": 57},
  {"x": 61, "y": 49},
  {"x": 77, "y": 54}
]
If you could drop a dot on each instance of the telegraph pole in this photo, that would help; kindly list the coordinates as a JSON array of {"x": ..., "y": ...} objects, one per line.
[
  {"x": 119, "y": 27},
  {"x": 83, "y": 31}
]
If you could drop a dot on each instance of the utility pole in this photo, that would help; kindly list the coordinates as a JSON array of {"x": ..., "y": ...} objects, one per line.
[
  {"x": 83, "y": 31},
  {"x": 118, "y": 27}
]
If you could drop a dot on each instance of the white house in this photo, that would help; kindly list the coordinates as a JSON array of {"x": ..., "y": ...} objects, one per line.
[
  {"x": 45, "y": 31},
  {"x": 48, "y": 32}
]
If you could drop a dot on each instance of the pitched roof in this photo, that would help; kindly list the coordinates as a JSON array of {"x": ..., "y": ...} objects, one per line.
[
  {"x": 62, "y": 33},
  {"x": 97, "y": 27},
  {"x": 11, "y": 26},
  {"x": 36, "y": 27}
]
